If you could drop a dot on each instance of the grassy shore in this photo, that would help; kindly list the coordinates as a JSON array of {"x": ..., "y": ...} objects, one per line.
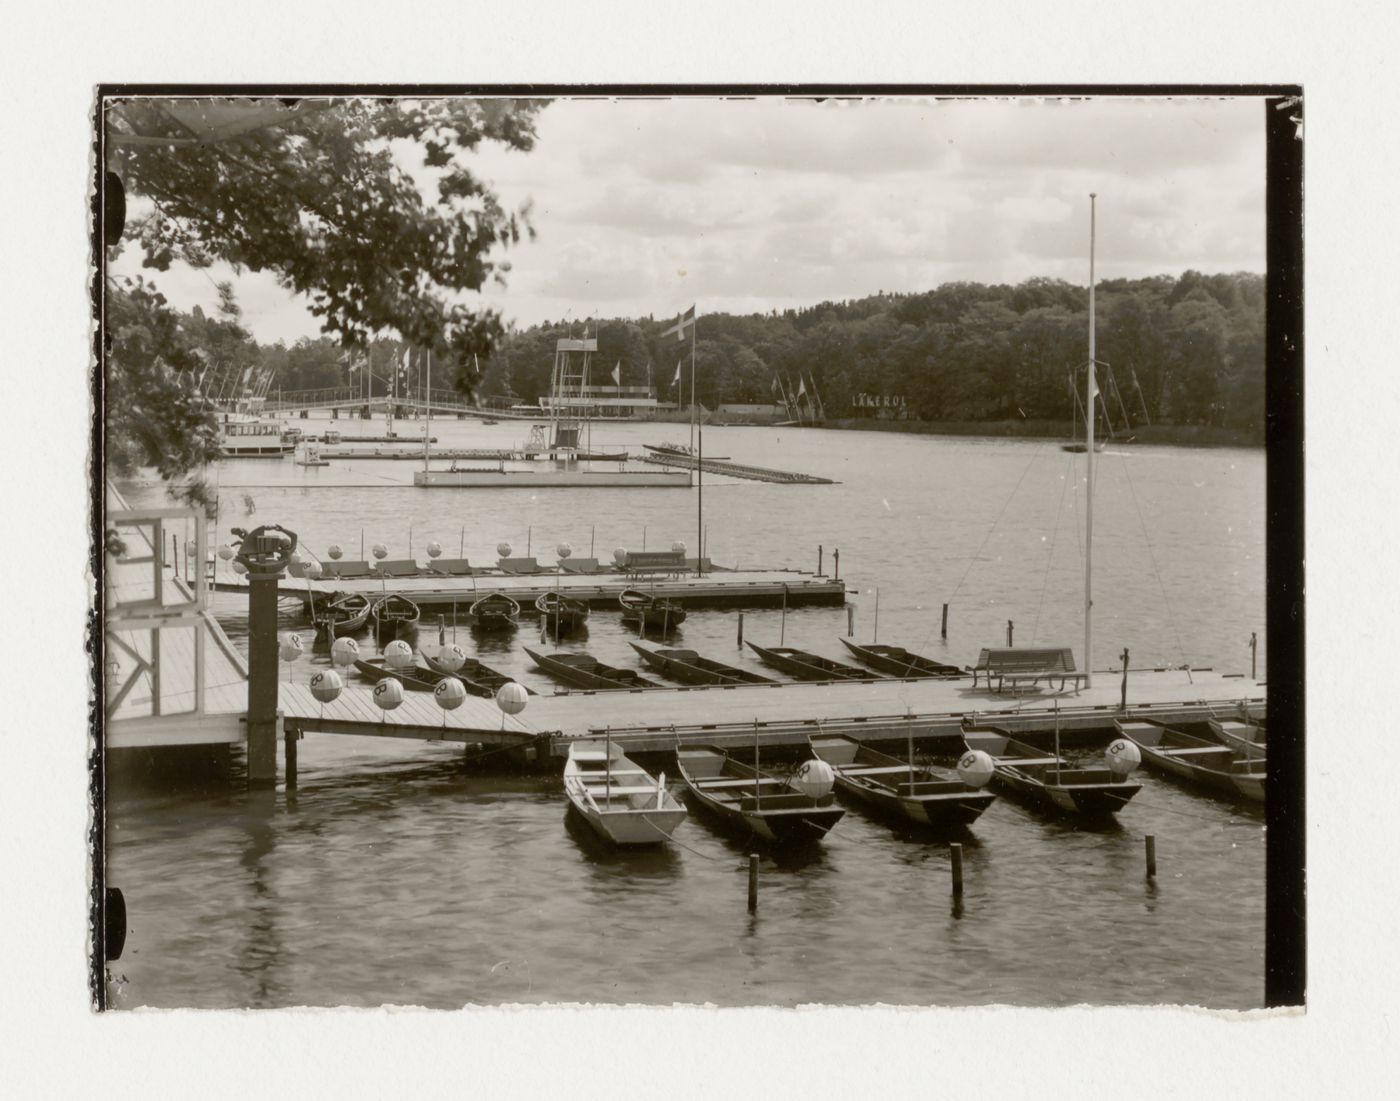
[{"x": 1180, "y": 435}]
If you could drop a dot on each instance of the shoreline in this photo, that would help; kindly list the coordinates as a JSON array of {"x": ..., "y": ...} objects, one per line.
[{"x": 1178, "y": 435}]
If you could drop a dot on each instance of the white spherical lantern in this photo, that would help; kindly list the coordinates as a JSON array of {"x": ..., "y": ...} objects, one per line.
[
  {"x": 1122, "y": 756},
  {"x": 451, "y": 657},
  {"x": 677, "y": 547},
  {"x": 380, "y": 551},
  {"x": 398, "y": 654},
  {"x": 326, "y": 684},
  {"x": 334, "y": 552},
  {"x": 239, "y": 568},
  {"x": 814, "y": 778},
  {"x": 620, "y": 555},
  {"x": 226, "y": 552},
  {"x": 295, "y": 558},
  {"x": 291, "y": 648},
  {"x": 450, "y": 693},
  {"x": 313, "y": 570},
  {"x": 345, "y": 651},
  {"x": 503, "y": 549},
  {"x": 512, "y": 698},
  {"x": 387, "y": 694},
  {"x": 976, "y": 768},
  {"x": 563, "y": 550},
  {"x": 434, "y": 549}
]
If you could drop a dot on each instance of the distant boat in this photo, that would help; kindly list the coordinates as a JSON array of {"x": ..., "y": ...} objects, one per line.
[
  {"x": 745, "y": 798},
  {"x": 921, "y": 794},
  {"x": 394, "y": 617},
  {"x": 586, "y": 671},
  {"x": 1047, "y": 779},
  {"x": 342, "y": 617},
  {"x": 489, "y": 420},
  {"x": 690, "y": 667},
  {"x": 805, "y": 666},
  {"x": 620, "y": 801},
  {"x": 495, "y": 612},
  {"x": 1208, "y": 764},
  {"x": 652, "y": 612},
  {"x": 896, "y": 661},
  {"x": 255, "y": 439},
  {"x": 562, "y": 616}
]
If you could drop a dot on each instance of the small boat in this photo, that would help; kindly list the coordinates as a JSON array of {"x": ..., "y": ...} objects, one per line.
[
  {"x": 394, "y": 617},
  {"x": 746, "y": 798},
  {"x": 621, "y": 802},
  {"x": 1248, "y": 736},
  {"x": 586, "y": 671},
  {"x": 1047, "y": 778},
  {"x": 495, "y": 612},
  {"x": 415, "y": 678},
  {"x": 899, "y": 662},
  {"x": 489, "y": 420},
  {"x": 922, "y": 794},
  {"x": 343, "y": 616},
  {"x": 562, "y": 616},
  {"x": 805, "y": 666},
  {"x": 680, "y": 451},
  {"x": 690, "y": 667},
  {"x": 652, "y": 612},
  {"x": 478, "y": 679},
  {"x": 1187, "y": 757}
]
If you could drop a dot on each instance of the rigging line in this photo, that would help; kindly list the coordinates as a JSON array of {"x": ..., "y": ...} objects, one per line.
[
  {"x": 1151, "y": 557},
  {"x": 1054, "y": 535},
  {"x": 1035, "y": 453}
]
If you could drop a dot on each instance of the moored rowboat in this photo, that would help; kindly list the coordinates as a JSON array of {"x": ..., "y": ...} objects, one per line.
[
  {"x": 1187, "y": 757},
  {"x": 562, "y": 616},
  {"x": 896, "y": 661},
  {"x": 744, "y": 798},
  {"x": 620, "y": 801},
  {"x": 394, "y": 617},
  {"x": 922, "y": 794},
  {"x": 343, "y": 616},
  {"x": 586, "y": 671},
  {"x": 805, "y": 666},
  {"x": 1047, "y": 779},
  {"x": 690, "y": 667},
  {"x": 494, "y": 612},
  {"x": 653, "y": 613}
]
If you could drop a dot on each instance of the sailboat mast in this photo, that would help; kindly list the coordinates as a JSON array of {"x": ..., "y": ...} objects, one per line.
[
  {"x": 1091, "y": 392},
  {"x": 428, "y": 407}
]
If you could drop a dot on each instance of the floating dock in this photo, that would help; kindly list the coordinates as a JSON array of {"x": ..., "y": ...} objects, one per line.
[{"x": 736, "y": 470}]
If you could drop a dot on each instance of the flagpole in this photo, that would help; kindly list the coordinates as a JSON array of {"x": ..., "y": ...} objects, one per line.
[
  {"x": 428, "y": 409},
  {"x": 699, "y": 462}
]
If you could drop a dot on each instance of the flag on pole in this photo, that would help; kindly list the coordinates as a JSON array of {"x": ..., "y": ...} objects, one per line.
[
  {"x": 617, "y": 374},
  {"x": 775, "y": 389},
  {"x": 686, "y": 319},
  {"x": 677, "y": 380},
  {"x": 801, "y": 388}
]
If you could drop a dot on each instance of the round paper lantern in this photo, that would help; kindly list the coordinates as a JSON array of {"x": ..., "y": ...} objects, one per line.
[
  {"x": 511, "y": 698},
  {"x": 503, "y": 549},
  {"x": 334, "y": 551},
  {"x": 398, "y": 654},
  {"x": 1122, "y": 756},
  {"x": 976, "y": 768},
  {"x": 291, "y": 648},
  {"x": 450, "y": 693},
  {"x": 344, "y": 651},
  {"x": 326, "y": 684},
  {"x": 295, "y": 558},
  {"x": 814, "y": 778},
  {"x": 451, "y": 657},
  {"x": 620, "y": 555},
  {"x": 434, "y": 549},
  {"x": 677, "y": 547},
  {"x": 388, "y": 694},
  {"x": 563, "y": 550},
  {"x": 239, "y": 568},
  {"x": 380, "y": 551},
  {"x": 226, "y": 552},
  {"x": 313, "y": 570}
]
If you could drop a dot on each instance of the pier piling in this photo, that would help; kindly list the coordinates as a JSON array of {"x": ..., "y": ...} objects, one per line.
[
  {"x": 1010, "y": 632},
  {"x": 955, "y": 851},
  {"x": 819, "y": 559},
  {"x": 1123, "y": 695},
  {"x": 753, "y": 883},
  {"x": 1151, "y": 856},
  {"x": 740, "y": 641},
  {"x": 943, "y": 631},
  {"x": 836, "y": 563},
  {"x": 289, "y": 757},
  {"x": 1253, "y": 655},
  {"x": 850, "y": 621}
]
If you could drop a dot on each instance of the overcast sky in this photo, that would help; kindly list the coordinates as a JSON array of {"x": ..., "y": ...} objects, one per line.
[{"x": 645, "y": 206}]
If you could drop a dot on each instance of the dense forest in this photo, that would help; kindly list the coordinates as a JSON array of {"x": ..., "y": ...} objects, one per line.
[{"x": 1184, "y": 351}]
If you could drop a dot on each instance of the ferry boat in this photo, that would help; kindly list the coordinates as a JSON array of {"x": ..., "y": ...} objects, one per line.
[{"x": 255, "y": 440}]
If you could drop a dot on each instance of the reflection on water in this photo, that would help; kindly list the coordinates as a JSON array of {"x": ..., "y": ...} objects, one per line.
[{"x": 406, "y": 873}]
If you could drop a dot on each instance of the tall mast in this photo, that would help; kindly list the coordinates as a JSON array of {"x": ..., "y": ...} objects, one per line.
[
  {"x": 428, "y": 407},
  {"x": 1091, "y": 393}
]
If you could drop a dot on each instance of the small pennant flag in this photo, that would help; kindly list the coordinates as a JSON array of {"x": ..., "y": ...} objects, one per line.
[
  {"x": 801, "y": 389},
  {"x": 677, "y": 380},
  {"x": 617, "y": 374},
  {"x": 775, "y": 388},
  {"x": 686, "y": 319}
]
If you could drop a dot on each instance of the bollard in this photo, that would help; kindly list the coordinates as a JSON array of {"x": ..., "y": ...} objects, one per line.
[
  {"x": 836, "y": 564},
  {"x": 753, "y": 883},
  {"x": 944, "y": 630},
  {"x": 1151, "y": 856},
  {"x": 740, "y": 642},
  {"x": 289, "y": 756},
  {"x": 955, "y": 850},
  {"x": 850, "y": 621},
  {"x": 1010, "y": 631}
]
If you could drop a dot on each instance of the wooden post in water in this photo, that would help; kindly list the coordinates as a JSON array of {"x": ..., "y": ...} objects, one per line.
[
  {"x": 1123, "y": 696},
  {"x": 592, "y": 538},
  {"x": 174, "y": 554},
  {"x": 944, "y": 630},
  {"x": 529, "y": 531},
  {"x": 819, "y": 559},
  {"x": 362, "y": 543},
  {"x": 442, "y": 630},
  {"x": 410, "y": 540},
  {"x": 644, "y": 537},
  {"x": 739, "y": 642},
  {"x": 262, "y": 677},
  {"x": 289, "y": 755},
  {"x": 850, "y": 621},
  {"x": 782, "y": 629},
  {"x": 836, "y": 563},
  {"x": 1010, "y": 631},
  {"x": 1253, "y": 655},
  {"x": 955, "y": 851},
  {"x": 461, "y": 549},
  {"x": 1151, "y": 856},
  {"x": 753, "y": 883}
]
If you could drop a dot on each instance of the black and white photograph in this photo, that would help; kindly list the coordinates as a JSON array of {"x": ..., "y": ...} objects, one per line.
[{"x": 732, "y": 547}]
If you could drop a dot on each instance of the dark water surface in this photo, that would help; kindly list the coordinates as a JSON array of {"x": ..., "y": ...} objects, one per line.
[{"x": 398, "y": 874}]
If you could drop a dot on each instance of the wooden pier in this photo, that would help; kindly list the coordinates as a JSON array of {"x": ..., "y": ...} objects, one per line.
[{"x": 736, "y": 470}]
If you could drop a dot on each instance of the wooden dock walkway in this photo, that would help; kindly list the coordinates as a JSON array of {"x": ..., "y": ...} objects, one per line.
[{"x": 736, "y": 470}]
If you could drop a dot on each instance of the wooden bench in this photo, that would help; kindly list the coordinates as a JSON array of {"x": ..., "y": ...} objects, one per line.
[
  {"x": 398, "y": 567},
  {"x": 1019, "y": 664},
  {"x": 518, "y": 565},
  {"x": 579, "y": 565},
  {"x": 333, "y": 569},
  {"x": 639, "y": 562},
  {"x": 450, "y": 567}
]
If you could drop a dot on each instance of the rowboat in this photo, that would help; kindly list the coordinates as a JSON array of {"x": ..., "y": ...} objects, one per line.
[
  {"x": 343, "y": 616},
  {"x": 805, "y": 666},
  {"x": 1247, "y": 736},
  {"x": 562, "y": 616},
  {"x": 622, "y": 802},
  {"x": 690, "y": 667},
  {"x": 923, "y": 794},
  {"x": 586, "y": 671},
  {"x": 478, "y": 679},
  {"x": 653, "y": 613},
  {"x": 394, "y": 617},
  {"x": 494, "y": 612},
  {"x": 1047, "y": 779},
  {"x": 899, "y": 662},
  {"x": 744, "y": 798},
  {"x": 1187, "y": 757},
  {"x": 415, "y": 678}
]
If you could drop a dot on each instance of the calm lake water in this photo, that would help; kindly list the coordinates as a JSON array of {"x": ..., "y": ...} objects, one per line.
[{"x": 399, "y": 874}]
